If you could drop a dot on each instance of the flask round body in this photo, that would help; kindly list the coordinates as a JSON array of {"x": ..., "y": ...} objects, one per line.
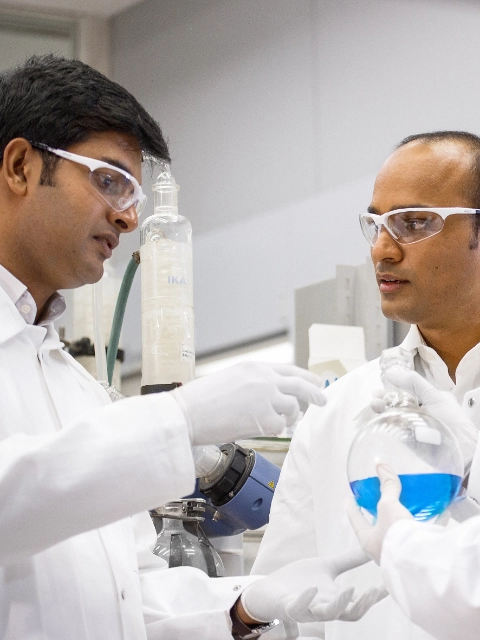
[
  {"x": 184, "y": 544},
  {"x": 181, "y": 540},
  {"x": 421, "y": 450}
]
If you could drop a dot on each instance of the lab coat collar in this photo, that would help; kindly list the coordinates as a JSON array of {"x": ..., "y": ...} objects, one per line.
[
  {"x": 12, "y": 285},
  {"x": 435, "y": 370},
  {"x": 24, "y": 302},
  {"x": 413, "y": 339},
  {"x": 51, "y": 340},
  {"x": 12, "y": 324}
]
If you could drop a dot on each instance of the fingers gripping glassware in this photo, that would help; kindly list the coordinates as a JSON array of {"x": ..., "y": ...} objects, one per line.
[
  {"x": 407, "y": 226},
  {"x": 419, "y": 448},
  {"x": 117, "y": 187}
]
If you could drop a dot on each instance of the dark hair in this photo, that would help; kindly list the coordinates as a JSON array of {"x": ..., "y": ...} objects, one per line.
[
  {"x": 60, "y": 102},
  {"x": 472, "y": 143}
]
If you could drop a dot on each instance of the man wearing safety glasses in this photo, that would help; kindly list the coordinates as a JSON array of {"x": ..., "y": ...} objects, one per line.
[
  {"x": 117, "y": 187},
  {"x": 422, "y": 226},
  {"x": 75, "y": 560}
]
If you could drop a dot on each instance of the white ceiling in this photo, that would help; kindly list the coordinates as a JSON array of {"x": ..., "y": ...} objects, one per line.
[{"x": 100, "y": 7}]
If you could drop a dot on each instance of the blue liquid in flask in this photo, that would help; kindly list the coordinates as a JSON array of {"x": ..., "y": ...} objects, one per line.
[{"x": 425, "y": 495}]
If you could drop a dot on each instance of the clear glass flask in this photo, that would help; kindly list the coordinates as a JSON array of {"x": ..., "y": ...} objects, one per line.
[
  {"x": 422, "y": 451},
  {"x": 168, "y": 341},
  {"x": 181, "y": 540}
]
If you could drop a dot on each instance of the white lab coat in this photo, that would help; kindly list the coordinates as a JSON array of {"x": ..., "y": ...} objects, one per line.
[
  {"x": 308, "y": 516},
  {"x": 74, "y": 468},
  {"x": 434, "y": 574}
]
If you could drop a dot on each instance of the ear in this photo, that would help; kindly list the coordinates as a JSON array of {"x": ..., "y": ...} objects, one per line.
[{"x": 21, "y": 166}]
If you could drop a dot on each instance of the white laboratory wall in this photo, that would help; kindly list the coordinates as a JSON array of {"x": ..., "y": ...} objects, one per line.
[
  {"x": 94, "y": 47},
  {"x": 278, "y": 114},
  {"x": 246, "y": 272},
  {"x": 16, "y": 46},
  {"x": 24, "y": 34}
]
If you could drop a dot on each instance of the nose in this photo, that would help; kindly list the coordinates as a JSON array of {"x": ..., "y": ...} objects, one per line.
[
  {"x": 386, "y": 249},
  {"x": 125, "y": 221}
]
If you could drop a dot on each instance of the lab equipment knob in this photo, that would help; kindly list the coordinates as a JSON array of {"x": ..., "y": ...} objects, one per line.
[{"x": 420, "y": 449}]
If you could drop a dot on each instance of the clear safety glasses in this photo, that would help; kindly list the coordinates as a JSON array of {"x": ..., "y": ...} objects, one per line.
[
  {"x": 117, "y": 187},
  {"x": 407, "y": 226}
]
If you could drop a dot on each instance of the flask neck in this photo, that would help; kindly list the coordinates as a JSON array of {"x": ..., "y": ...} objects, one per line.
[
  {"x": 400, "y": 399},
  {"x": 397, "y": 358},
  {"x": 165, "y": 189},
  {"x": 172, "y": 525},
  {"x": 169, "y": 213},
  {"x": 165, "y": 200}
]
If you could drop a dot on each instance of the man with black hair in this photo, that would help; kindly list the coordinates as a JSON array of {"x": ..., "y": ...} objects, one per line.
[
  {"x": 422, "y": 225},
  {"x": 75, "y": 562}
]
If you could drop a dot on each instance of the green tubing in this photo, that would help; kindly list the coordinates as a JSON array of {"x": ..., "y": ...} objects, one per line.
[{"x": 119, "y": 313}]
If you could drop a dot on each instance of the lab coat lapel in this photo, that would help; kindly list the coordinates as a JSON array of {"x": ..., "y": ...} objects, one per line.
[
  {"x": 57, "y": 365},
  {"x": 471, "y": 406},
  {"x": 119, "y": 544}
]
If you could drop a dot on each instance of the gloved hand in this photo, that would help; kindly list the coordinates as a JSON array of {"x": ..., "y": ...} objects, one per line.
[
  {"x": 246, "y": 400},
  {"x": 359, "y": 607},
  {"x": 389, "y": 511},
  {"x": 440, "y": 404},
  {"x": 304, "y": 591}
]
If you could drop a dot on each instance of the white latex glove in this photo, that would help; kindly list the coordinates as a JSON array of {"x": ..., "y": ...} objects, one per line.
[
  {"x": 304, "y": 591},
  {"x": 246, "y": 400},
  {"x": 359, "y": 607},
  {"x": 389, "y": 511},
  {"x": 440, "y": 404}
]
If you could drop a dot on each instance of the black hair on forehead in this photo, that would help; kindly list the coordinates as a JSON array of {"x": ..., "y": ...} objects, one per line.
[{"x": 60, "y": 102}]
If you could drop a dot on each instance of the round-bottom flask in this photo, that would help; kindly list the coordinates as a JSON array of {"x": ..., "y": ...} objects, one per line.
[
  {"x": 181, "y": 540},
  {"x": 422, "y": 451}
]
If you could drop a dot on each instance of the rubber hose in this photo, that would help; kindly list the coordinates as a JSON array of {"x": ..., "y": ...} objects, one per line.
[{"x": 119, "y": 314}]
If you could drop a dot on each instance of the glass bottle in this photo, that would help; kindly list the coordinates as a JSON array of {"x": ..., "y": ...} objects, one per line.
[{"x": 168, "y": 343}]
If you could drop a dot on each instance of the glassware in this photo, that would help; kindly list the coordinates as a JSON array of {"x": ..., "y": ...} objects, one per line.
[
  {"x": 422, "y": 451},
  {"x": 181, "y": 540},
  {"x": 168, "y": 342}
]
